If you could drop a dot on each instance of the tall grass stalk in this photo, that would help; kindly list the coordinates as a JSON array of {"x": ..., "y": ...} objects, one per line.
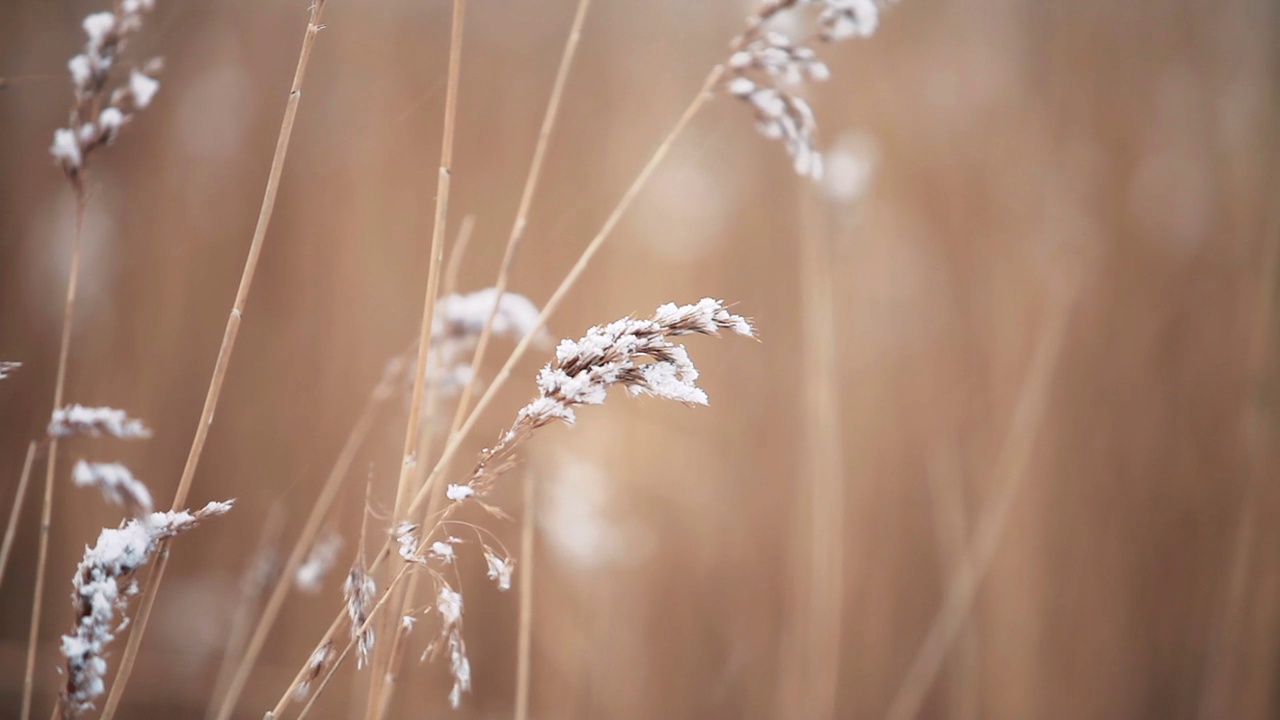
[
  {"x": 11, "y": 530},
  {"x": 46, "y": 506},
  {"x": 224, "y": 355},
  {"x": 524, "y": 638},
  {"x": 1010, "y": 473},
  {"x": 811, "y": 657},
  {"x": 526, "y": 201},
  {"x": 516, "y": 234},
  {"x": 412, "y": 433},
  {"x": 1221, "y": 664}
]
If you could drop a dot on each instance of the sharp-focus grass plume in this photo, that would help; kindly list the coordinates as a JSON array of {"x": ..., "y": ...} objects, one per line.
[
  {"x": 637, "y": 354},
  {"x": 107, "y": 95},
  {"x": 769, "y": 67},
  {"x": 103, "y": 584}
]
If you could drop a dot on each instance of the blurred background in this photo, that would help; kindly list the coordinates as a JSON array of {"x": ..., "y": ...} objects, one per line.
[{"x": 1007, "y": 449}]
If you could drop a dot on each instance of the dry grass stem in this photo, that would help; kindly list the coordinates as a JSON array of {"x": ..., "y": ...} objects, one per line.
[
  {"x": 46, "y": 507},
  {"x": 1010, "y": 472},
  {"x": 1222, "y": 662},
  {"x": 224, "y": 352},
  {"x": 811, "y": 661},
  {"x": 11, "y": 528},
  {"x": 526, "y": 200},
  {"x": 409, "y": 462},
  {"x": 524, "y": 639}
]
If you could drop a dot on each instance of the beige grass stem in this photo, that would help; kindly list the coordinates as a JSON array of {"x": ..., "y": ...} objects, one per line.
[
  {"x": 1010, "y": 473},
  {"x": 224, "y": 354},
  {"x": 11, "y": 530},
  {"x": 46, "y": 507},
  {"x": 810, "y": 677},
  {"x": 1222, "y": 664},
  {"x": 448, "y": 286},
  {"x": 549, "y": 119},
  {"x": 524, "y": 639},
  {"x": 526, "y": 202},
  {"x": 412, "y": 435}
]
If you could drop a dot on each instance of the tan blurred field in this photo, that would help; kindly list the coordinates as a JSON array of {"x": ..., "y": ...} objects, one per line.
[{"x": 1052, "y": 348}]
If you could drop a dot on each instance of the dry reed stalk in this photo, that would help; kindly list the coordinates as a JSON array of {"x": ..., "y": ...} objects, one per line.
[
  {"x": 412, "y": 427},
  {"x": 461, "y": 243},
  {"x": 46, "y": 507},
  {"x": 448, "y": 287},
  {"x": 1215, "y": 690},
  {"x": 224, "y": 353},
  {"x": 549, "y": 118},
  {"x": 524, "y": 638},
  {"x": 1010, "y": 472},
  {"x": 945, "y": 479},
  {"x": 811, "y": 658},
  {"x": 12, "y": 528}
]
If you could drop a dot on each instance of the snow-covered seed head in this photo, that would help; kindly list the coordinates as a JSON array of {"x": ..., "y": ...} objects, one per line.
[
  {"x": 406, "y": 535},
  {"x": 360, "y": 592},
  {"x": 7, "y": 367},
  {"x": 764, "y": 59},
  {"x": 499, "y": 568},
  {"x": 96, "y": 421},
  {"x": 449, "y": 605},
  {"x": 100, "y": 110},
  {"x": 116, "y": 483},
  {"x": 458, "y": 493},
  {"x": 101, "y": 588},
  {"x": 316, "y": 664},
  {"x": 319, "y": 560},
  {"x": 634, "y": 353}
]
